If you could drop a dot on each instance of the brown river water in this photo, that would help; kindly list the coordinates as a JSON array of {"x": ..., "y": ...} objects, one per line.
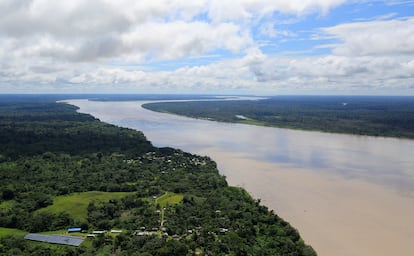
[{"x": 347, "y": 195}]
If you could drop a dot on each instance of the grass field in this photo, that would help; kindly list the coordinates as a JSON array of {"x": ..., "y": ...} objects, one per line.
[
  {"x": 76, "y": 204},
  {"x": 12, "y": 232},
  {"x": 169, "y": 198},
  {"x": 6, "y": 204}
]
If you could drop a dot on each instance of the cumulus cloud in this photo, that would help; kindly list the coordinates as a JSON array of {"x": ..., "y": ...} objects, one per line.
[
  {"x": 340, "y": 70},
  {"x": 96, "y": 29},
  {"x": 223, "y": 10},
  {"x": 388, "y": 37},
  {"x": 179, "y": 39},
  {"x": 257, "y": 72},
  {"x": 102, "y": 43}
]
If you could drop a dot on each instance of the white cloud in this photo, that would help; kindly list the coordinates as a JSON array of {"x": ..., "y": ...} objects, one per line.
[
  {"x": 93, "y": 30},
  {"x": 64, "y": 44},
  {"x": 258, "y": 73},
  {"x": 179, "y": 39},
  {"x": 390, "y": 37},
  {"x": 223, "y": 10},
  {"x": 269, "y": 29},
  {"x": 108, "y": 76}
]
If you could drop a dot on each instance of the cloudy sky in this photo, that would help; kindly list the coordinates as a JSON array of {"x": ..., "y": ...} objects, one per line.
[{"x": 263, "y": 47}]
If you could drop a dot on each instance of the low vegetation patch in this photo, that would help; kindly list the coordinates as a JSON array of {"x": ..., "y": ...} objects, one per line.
[
  {"x": 76, "y": 204},
  {"x": 5, "y": 205},
  {"x": 12, "y": 232},
  {"x": 169, "y": 198}
]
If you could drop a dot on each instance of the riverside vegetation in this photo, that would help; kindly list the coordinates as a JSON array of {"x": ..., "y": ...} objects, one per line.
[
  {"x": 362, "y": 115},
  {"x": 60, "y": 169}
]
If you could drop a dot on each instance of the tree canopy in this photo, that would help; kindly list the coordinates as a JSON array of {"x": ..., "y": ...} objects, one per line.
[{"x": 49, "y": 153}]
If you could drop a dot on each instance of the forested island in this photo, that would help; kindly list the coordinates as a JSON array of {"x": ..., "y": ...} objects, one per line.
[
  {"x": 360, "y": 115},
  {"x": 60, "y": 169}
]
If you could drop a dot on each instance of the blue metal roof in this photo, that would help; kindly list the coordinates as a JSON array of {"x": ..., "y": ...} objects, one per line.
[{"x": 74, "y": 229}]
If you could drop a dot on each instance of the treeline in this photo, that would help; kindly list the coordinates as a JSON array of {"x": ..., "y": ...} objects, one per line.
[
  {"x": 374, "y": 116},
  {"x": 29, "y": 129},
  {"x": 49, "y": 150}
]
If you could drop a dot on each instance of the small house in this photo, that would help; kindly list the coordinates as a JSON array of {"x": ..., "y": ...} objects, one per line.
[{"x": 97, "y": 232}]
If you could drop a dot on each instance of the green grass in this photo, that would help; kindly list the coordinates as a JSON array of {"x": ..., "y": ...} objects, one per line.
[
  {"x": 12, "y": 232},
  {"x": 54, "y": 247},
  {"x": 169, "y": 198},
  {"x": 55, "y": 232},
  {"x": 64, "y": 232},
  {"x": 76, "y": 204},
  {"x": 6, "y": 205}
]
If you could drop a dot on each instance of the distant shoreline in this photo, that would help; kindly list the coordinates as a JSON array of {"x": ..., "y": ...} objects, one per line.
[{"x": 390, "y": 117}]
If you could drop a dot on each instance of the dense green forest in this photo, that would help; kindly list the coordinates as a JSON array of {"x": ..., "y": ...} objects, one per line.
[
  {"x": 375, "y": 116},
  {"x": 61, "y": 169}
]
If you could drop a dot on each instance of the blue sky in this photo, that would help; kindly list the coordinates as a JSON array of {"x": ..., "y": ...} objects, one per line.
[{"x": 262, "y": 47}]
